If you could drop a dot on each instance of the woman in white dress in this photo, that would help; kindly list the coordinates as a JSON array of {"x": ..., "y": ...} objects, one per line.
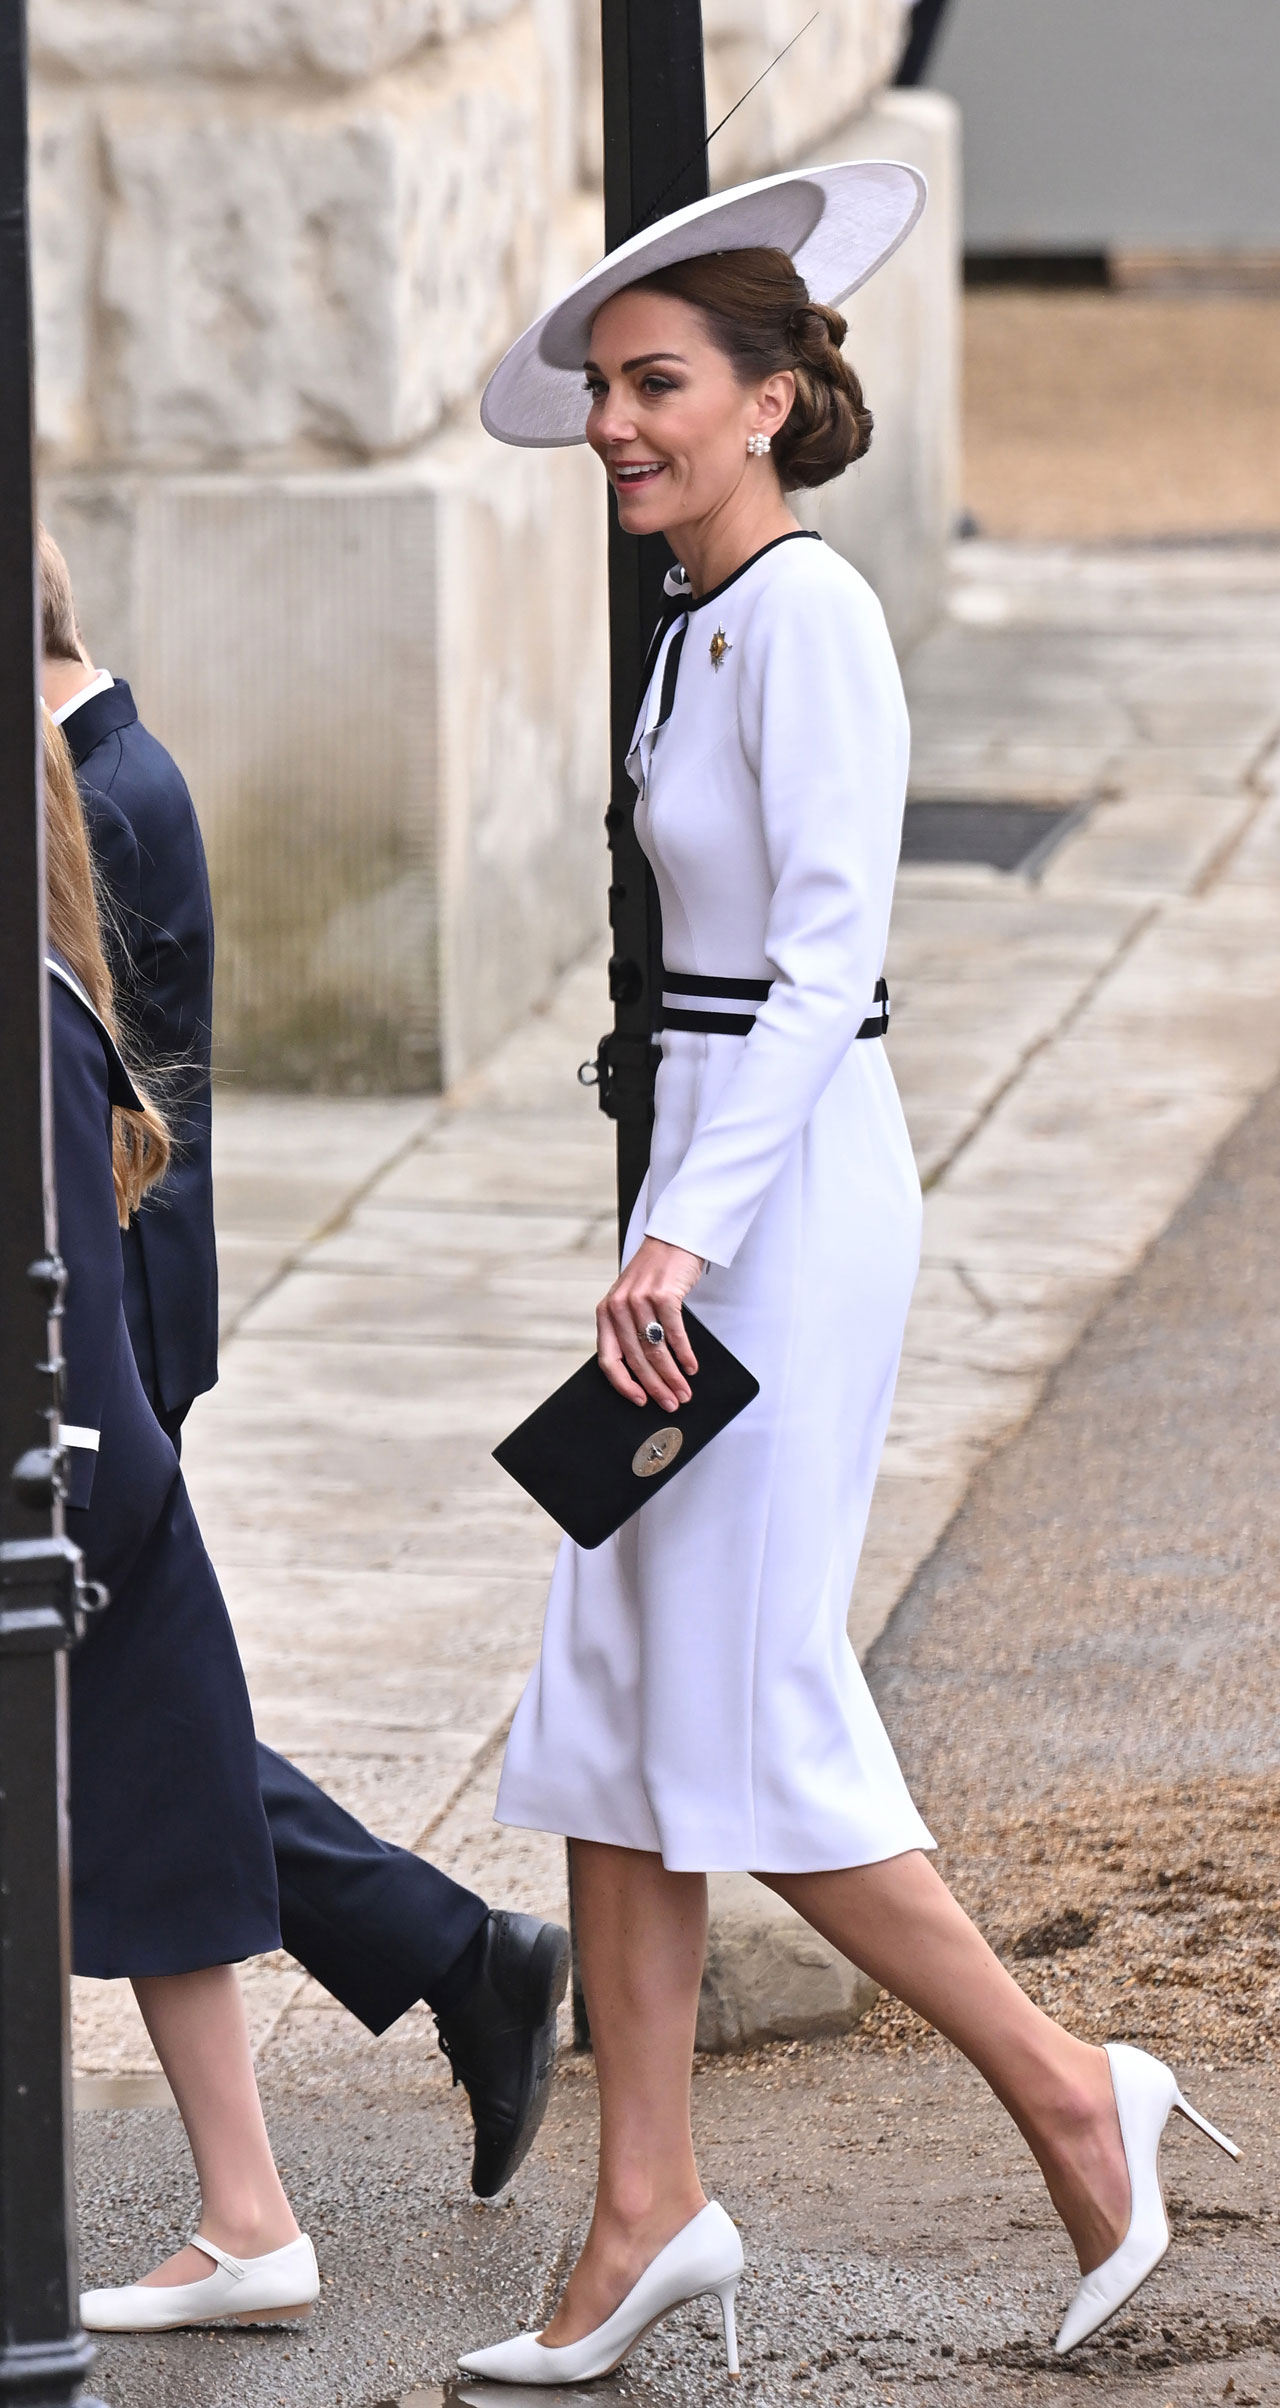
[{"x": 697, "y": 1705}]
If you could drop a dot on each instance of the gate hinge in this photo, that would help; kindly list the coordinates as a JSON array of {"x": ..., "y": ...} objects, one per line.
[
  {"x": 44, "y": 1596},
  {"x": 623, "y": 1073}
]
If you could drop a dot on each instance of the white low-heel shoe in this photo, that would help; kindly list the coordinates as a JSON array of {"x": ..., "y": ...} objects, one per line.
[
  {"x": 1146, "y": 2096},
  {"x": 257, "y": 2290},
  {"x": 705, "y": 2256}
]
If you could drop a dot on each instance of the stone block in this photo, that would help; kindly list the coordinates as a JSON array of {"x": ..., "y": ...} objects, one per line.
[
  {"x": 557, "y": 31},
  {"x": 321, "y": 279},
  {"x": 590, "y": 109},
  {"x": 768, "y": 1976},
  {"x": 388, "y": 691},
  {"x": 892, "y": 514},
  {"x": 341, "y": 40},
  {"x": 65, "y": 207}
]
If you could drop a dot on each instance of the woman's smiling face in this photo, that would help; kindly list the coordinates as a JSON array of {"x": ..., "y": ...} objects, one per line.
[{"x": 668, "y": 417}]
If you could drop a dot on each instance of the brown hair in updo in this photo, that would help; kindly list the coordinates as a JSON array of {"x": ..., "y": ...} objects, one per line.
[{"x": 758, "y": 312}]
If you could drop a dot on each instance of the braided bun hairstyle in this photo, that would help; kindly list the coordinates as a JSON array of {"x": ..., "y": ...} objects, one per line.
[{"x": 757, "y": 311}]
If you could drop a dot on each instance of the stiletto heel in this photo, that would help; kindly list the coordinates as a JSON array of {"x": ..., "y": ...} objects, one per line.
[
  {"x": 1146, "y": 2095},
  {"x": 1202, "y": 2124},
  {"x": 705, "y": 2256},
  {"x": 726, "y": 2295}
]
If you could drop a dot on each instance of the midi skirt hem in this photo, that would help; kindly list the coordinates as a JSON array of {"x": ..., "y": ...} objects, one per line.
[
  {"x": 710, "y": 1852},
  {"x": 147, "y": 1963}
]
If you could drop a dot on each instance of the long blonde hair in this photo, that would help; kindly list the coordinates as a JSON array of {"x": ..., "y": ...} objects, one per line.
[{"x": 140, "y": 1144}]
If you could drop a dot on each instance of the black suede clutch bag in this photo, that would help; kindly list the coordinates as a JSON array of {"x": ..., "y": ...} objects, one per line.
[{"x": 592, "y": 1459}]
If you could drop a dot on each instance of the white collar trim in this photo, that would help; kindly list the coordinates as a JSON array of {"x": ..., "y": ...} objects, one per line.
[{"x": 101, "y": 684}]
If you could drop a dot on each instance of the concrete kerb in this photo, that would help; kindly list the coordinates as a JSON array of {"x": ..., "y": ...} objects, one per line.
[{"x": 768, "y": 1974}]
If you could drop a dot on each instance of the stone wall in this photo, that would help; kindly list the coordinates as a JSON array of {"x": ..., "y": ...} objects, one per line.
[
  {"x": 279, "y": 243},
  {"x": 289, "y": 231}
]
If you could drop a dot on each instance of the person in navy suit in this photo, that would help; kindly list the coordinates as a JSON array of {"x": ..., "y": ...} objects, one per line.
[
  {"x": 173, "y": 1878},
  {"x": 379, "y": 1927}
]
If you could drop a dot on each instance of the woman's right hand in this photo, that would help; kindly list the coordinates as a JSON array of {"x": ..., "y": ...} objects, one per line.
[{"x": 652, "y": 1288}]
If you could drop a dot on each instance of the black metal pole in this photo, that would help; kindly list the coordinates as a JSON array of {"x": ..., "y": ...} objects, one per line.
[
  {"x": 655, "y": 160},
  {"x": 43, "y": 2353},
  {"x": 926, "y": 25}
]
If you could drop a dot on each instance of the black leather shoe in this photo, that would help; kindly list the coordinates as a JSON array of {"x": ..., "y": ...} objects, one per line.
[{"x": 501, "y": 2041}]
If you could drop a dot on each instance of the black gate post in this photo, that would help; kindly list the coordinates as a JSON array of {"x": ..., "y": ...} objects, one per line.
[
  {"x": 655, "y": 160},
  {"x": 43, "y": 2353},
  {"x": 926, "y": 25}
]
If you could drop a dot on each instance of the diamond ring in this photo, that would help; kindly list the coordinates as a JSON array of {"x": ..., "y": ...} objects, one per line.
[{"x": 654, "y": 1333}]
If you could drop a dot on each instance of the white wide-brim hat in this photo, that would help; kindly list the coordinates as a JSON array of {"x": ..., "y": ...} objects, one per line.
[{"x": 838, "y": 224}]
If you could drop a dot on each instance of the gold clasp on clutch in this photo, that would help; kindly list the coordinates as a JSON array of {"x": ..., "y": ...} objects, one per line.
[{"x": 656, "y": 1453}]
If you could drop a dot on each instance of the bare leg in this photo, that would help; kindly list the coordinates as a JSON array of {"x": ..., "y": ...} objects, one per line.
[
  {"x": 900, "y": 1923},
  {"x": 198, "y": 2030},
  {"x": 642, "y": 1935}
]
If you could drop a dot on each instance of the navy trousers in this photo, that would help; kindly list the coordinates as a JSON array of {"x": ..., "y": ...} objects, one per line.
[{"x": 377, "y": 1926}]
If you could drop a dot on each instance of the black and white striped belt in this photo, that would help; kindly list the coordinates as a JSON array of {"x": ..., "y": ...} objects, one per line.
[{"x": 677, "y": 1012}]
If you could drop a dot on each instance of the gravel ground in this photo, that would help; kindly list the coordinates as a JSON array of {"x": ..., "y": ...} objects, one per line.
[
  {"x": 1101, "y": 415},
  {"x": 1082, "y": 1685},
  {"x": 1083, "y": 1682}
]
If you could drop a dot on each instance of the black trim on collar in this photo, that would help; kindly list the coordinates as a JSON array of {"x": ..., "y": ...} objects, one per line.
[
  {"x": 671, "y": 671},
  {"x": 671, "y": 610},
  {"x": 120, "y": 1087},
  {"x": 693, "y": 602},
  {"x": 102, "y": 715}
]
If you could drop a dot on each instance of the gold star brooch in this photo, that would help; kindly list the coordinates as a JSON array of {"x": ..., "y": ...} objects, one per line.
[{"x": 720, "y": 644}]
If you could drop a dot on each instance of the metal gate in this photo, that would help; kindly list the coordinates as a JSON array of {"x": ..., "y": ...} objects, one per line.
[{"x": 43, "y": 2353}]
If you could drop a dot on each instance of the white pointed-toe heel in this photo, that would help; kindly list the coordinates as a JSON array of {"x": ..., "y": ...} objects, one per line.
[
  {"x": 274, "y": 2289},
  {"x": 1146, "y": 2096},
  {"x": 705, "y": 2256}
]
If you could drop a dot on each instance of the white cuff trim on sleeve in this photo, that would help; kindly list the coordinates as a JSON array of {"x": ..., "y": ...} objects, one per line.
[{"x": 70, "y": 1433}]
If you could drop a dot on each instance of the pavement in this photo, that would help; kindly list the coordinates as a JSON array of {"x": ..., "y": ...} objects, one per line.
[{"x": 404, "y": 1279}]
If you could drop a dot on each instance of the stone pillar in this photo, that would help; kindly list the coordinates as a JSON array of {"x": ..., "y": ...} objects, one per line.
[{"x": 393, "y": 719}]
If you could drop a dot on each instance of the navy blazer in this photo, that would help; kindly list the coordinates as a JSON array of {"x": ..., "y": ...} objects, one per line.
[
  {"x": 103, "y": 1405},
  {"x": 147, "y": 844},
  {"x": 171, "y": 1857}
]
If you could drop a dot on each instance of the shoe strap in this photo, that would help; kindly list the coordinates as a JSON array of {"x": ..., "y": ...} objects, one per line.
[{"x": 232, "y": 2266}]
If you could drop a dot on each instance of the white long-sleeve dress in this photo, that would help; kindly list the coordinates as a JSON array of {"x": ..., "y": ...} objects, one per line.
[{"x": 696, "y": 1692}]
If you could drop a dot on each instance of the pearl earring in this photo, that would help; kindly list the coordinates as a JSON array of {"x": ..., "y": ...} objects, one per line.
[{"x": 758, "y": 445}]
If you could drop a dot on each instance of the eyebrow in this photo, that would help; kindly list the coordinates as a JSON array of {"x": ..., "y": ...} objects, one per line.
[{"x": 646, "y": 359}]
